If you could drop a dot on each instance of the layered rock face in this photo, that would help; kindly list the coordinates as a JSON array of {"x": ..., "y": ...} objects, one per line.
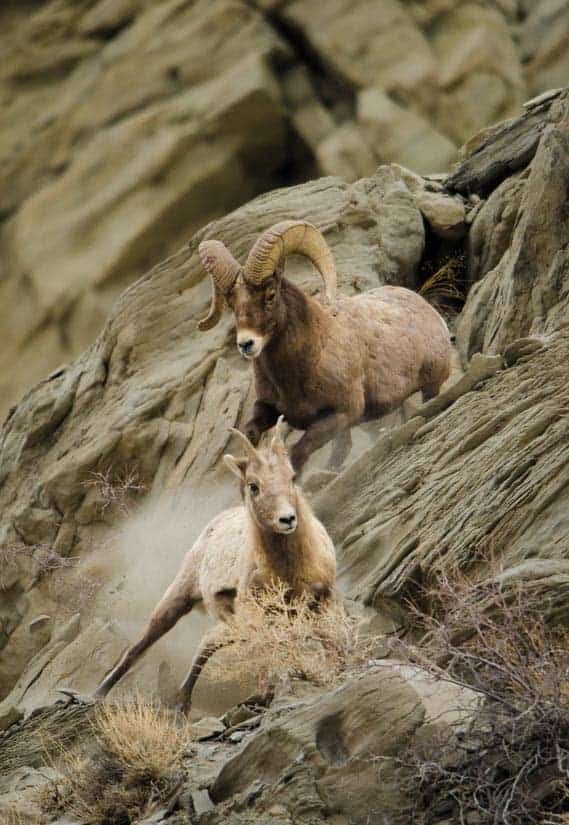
[
  {"x": 130, "y": 124},
  {"x": 124, "y": 146},
  {"x": 478, "y": 472}
]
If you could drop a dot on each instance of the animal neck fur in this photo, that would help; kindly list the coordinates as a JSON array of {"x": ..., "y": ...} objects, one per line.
[
  {"x": 286, "y": 556},
  {"x": 301, "y": 319}
]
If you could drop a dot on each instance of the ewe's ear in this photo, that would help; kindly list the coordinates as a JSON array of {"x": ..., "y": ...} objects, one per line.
[{"x": 236, "y": 465}]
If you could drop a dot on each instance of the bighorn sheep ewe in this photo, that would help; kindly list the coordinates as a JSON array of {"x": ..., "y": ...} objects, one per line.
[
  {"x": 325, "y": 364},
  {"x": 273, "y": 536}
]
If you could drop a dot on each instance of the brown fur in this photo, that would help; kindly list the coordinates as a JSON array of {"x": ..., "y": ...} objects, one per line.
[
  {"x": 327, "y": 368},
  {"x": 241, "y": 550}
]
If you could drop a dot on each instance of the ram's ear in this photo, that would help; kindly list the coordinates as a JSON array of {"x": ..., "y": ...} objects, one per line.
[{"x": 236, "y": 465}]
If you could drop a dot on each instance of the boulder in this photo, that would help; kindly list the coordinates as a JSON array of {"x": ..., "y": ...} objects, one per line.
[{"x": 343, "y": 751}]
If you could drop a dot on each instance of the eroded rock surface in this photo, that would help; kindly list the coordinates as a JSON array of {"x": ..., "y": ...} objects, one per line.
[
  {"x": 144, "y": 414},
  {"x": 130, "y": 124},
  {"x": 154, "y": 398}
]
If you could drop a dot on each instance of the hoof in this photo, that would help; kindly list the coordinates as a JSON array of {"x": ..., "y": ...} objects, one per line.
[{"x": 75, "y": 697}]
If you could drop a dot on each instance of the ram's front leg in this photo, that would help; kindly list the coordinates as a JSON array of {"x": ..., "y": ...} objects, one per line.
[
  {"x": 317, "y": 435},
  {"x": 264, "y": 417}
]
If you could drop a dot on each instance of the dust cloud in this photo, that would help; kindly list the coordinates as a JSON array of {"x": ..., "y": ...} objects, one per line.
[{"x": 136, "y": 562}]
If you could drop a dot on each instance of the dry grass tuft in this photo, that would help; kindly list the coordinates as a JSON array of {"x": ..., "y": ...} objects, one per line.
[
  {"x": 18, "y": 818},
  {"x": 145, "y": 738},
  {"x": 134, "y": 765},
  {"x": 274, "y": 638},
  {"x": 512, "y": 765}
]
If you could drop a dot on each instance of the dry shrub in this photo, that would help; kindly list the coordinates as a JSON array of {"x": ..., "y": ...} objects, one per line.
[
  {"x": 134, "y": 765},
  {"x": 274, "y": 637},
  {"x": 146, "y": 738},
  {"x": 41, "y": 557},
  {"x": 115, "y": 490},
  {"x": 512, "y": 764}
]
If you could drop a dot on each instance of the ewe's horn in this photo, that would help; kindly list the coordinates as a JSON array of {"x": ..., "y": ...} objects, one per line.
[
  {"x": 283, "y": 239},
  {"x": 223, "y": 269},
  {"x": 277, "y": 441},
  {"x": 251, "y": 451}
]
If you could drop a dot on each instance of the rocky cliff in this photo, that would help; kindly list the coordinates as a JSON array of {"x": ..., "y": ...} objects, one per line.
[
  {"x": 110, "y": 466},
  {"x": 129, "y": 124}
]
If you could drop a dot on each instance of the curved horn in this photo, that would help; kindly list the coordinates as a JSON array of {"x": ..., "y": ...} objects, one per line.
[
  {"x": 223, "y": 269},
  {"x": 251, "y": 451},
  {"x": 283, "y": 239}
]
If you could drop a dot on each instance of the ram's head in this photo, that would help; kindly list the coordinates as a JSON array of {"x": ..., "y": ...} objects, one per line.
[{"x": 253, "y": 291}]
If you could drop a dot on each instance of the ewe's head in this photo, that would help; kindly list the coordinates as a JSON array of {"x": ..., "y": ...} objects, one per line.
[
  {"x": 267, "y": 481},
  {"x": 253, "y": 291}
]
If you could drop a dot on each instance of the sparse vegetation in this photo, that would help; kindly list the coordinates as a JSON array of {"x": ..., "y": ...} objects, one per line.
[
  {"x": 41, "y": 557},
  {"x": 446, "y": 287},
  {"x": 18, "y": 818},
  {"x": 274, "y": 637},
  {"x": 512, "y": 765},
  {"x": 133, "y": 765},
  {"x": 115, "y": 490}
]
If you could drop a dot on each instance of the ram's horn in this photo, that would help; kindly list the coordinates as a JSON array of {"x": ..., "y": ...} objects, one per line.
[
  {"x": 223, "y": 270},
  {"x": 283, "y": 239}
]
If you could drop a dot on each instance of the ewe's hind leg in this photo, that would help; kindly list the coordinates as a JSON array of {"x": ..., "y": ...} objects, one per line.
[
  {"x": 224, "y": 607},
  {"x": 205, "y": 651},
  {"x": 162, "y": 620}
]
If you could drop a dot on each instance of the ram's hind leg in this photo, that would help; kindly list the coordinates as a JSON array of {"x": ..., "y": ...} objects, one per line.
[
  {"x": 318, "y": 434},
  {"x": 162, "y": 620},
  {"x": 340, "y": 450}
]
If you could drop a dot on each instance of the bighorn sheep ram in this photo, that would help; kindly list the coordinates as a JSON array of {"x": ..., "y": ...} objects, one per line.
[
  {"x": 273, "y": 536},
  {"x": 325, "y": 364}
]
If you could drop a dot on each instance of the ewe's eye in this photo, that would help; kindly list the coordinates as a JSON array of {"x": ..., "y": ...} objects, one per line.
[{"x": 253, "y": 489}]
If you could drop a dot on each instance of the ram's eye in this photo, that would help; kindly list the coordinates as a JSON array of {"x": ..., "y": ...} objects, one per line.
[
  {"x": 253, "y": 489},
  {"x": 270, "y": 297}
]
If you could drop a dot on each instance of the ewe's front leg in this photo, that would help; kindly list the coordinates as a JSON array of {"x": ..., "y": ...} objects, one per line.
[
  {"x": 264, "y": 417},
  {"x": 316, "y": 436}
]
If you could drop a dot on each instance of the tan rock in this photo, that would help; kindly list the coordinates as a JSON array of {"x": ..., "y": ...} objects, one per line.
[
  {"x": 367, "y": 43},
  {"x": 346, "y": 153},
  {"x": 544, "y": 36},
  {"x": 399, "y": 134},
  {"x": 333, "y": 744},
  {"x": 479, "y": 70},
  {"x": 118, "y": 174},
  {"x": 446, "y": 216}
]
